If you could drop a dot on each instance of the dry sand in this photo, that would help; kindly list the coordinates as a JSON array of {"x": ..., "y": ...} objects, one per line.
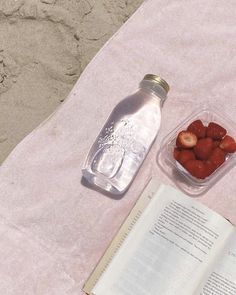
[{"x": 44, "y": 47}]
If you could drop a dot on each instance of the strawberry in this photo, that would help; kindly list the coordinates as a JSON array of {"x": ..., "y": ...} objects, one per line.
[
  {"x": 228, "y": 144},
  {"x": 216, "y": 143},
  {"x": 196, "y": 168},
  {"x": 186, "y": 139},
  {"x": 210, "y": 167},
  {"x": 215, "y": 131},
  {"x": 176, "y": 153},
  {"x": 185, "y": 155},
  {"x": 197, "y": 128},
  {"x": 217, "y": 157},
  {"x": 203, "y": 148}
]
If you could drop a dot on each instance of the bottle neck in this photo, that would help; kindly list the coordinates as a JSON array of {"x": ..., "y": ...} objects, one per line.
[{"x": 154, "y": 89}]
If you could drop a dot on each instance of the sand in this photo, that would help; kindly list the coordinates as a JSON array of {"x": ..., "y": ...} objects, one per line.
[{"x": 44, "y": 47}]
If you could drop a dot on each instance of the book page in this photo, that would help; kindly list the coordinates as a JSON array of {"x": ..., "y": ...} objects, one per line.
[
  {"x": 121, "y": 235},
  {"x": 168, "y": 249},
  {"x": 222, "y": 278}
]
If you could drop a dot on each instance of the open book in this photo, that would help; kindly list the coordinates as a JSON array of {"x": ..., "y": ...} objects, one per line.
[{"x": 169, "y": 245}]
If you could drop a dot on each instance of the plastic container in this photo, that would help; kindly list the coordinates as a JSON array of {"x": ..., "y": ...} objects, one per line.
[{"x": 182, "y": 178}]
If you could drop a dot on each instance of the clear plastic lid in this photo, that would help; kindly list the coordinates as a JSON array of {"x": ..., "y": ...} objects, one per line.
[{"x": 181, "y": 177}]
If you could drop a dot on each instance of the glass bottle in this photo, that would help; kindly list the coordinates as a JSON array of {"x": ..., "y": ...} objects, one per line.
[{"x": 126, "y": 137}]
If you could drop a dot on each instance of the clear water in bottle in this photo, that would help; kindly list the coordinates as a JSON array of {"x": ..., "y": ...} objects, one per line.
[{"x": 126, "y": 138}]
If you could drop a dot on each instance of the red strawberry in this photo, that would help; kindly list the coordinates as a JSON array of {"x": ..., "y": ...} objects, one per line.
[
  {"x": 176, "y": 153},
  {"x": 186, "y": 139},
  {"x": 216, "y": 143},
  {"x": 215, "y": 131},
  {"x": 196, "y": 168},
  {"x": 197, "y": 128},
  {"x": 217, "y": 157},
  {"x": 210, "y": 167},
  {"x": 185, "y": 155},
  {"x": 228, "y": 144},
  {"x": 203, "y": 148}
]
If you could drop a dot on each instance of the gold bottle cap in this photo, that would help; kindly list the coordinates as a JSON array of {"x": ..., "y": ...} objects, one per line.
[{"x": 158, "y": 80}]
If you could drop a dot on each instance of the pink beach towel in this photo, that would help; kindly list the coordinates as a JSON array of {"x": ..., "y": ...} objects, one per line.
[{"x": 54, "y": 229}]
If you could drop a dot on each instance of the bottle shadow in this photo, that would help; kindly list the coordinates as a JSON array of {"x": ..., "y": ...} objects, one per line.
[{"x": 88, "y": 185}]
